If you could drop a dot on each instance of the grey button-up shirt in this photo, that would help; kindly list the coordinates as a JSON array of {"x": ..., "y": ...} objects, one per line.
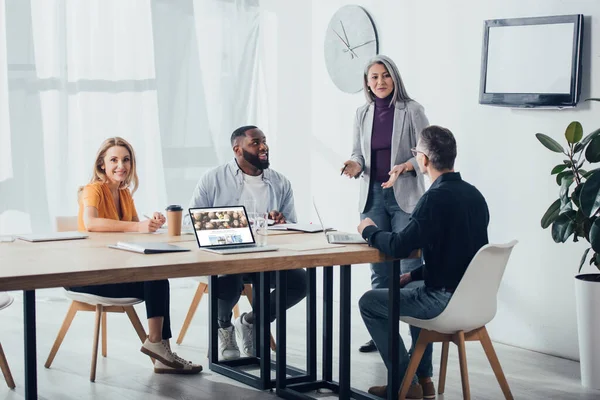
[{"x": 222, "y": 187}]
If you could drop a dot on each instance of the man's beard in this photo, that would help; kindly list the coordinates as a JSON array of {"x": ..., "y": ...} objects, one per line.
[{"x": 255, "y": 160}]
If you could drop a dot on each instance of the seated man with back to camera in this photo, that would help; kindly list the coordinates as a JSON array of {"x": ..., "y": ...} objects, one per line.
[
  {"x": 449, "y": 224},
  {"x": 248, "y": 178}
]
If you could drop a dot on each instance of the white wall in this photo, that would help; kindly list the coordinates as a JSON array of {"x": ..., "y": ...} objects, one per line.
[{"x": 437, "y": 46}]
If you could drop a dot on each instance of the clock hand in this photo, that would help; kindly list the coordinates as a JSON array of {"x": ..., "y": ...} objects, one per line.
[
  {"x": 346, "y": 36},
  {"x": 352, "y": 53},
  {"x": 348, "y": 41},
  {"x": 360, "y": 45}
]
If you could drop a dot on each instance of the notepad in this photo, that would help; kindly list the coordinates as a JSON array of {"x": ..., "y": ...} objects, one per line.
[{"x": 147, "y": 248}]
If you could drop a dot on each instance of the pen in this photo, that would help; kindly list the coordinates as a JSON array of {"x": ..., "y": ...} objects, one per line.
[
  {"x": 146, "y": 216},
  {"x": 343, "y": 169}
]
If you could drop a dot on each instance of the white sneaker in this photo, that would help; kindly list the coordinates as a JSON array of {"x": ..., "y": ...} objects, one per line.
[
  {"x": 188, "y": 367},
  {"x": 228, "y": 348},
  {"x": 166, "y": 360},
  {"x": 246, "y": 333}
]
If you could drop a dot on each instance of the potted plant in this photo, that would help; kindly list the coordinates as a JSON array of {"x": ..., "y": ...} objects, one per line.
[{"x": 575, "y": 214}]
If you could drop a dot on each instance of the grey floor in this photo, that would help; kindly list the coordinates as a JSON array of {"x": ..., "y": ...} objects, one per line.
[{"x": 127, "y": 374}]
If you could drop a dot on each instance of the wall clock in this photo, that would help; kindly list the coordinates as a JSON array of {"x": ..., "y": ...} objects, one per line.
[{"x": 350, "y": 41}]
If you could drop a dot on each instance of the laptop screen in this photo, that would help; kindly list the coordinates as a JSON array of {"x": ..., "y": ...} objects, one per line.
[{"x": 222, "y": 226}]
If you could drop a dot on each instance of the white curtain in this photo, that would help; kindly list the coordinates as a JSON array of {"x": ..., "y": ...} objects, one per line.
[{"x": 172, "y": 77}]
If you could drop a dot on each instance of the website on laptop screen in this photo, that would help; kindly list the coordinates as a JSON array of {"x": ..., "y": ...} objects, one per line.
[{"x": 221, "y": 226}]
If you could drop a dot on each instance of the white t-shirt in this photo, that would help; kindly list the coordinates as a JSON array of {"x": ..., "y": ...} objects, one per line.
[{"x": 255, "y": 188}]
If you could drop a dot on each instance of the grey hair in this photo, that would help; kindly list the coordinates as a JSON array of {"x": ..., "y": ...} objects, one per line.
[{"x": 400, "y": 93}]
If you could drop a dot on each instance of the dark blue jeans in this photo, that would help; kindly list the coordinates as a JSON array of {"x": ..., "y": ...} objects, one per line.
[
  {"x": 383, "y": 209},
  {"x": 418, "y": 302}
]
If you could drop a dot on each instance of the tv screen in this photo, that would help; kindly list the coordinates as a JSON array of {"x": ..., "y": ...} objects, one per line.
[{"x": 532, "y": 62}]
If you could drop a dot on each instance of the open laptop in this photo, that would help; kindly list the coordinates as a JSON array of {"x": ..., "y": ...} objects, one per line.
[
  {"x": 52, "y": 236},
  {"x": 224, "y": 230},
  {"x": 338, "y": 237}
]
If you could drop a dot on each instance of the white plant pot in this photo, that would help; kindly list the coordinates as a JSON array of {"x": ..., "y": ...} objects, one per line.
[{"x": 587, "y": 294}]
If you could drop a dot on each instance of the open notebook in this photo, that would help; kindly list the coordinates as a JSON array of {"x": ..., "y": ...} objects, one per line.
[{"x": 147, "y": 248}]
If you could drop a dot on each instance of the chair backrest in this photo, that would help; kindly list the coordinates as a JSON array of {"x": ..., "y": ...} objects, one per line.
[
  {"x": 5, "y": 300},
  {"x": 473, "y": 303},
  {"x": 66, "y": 224}
]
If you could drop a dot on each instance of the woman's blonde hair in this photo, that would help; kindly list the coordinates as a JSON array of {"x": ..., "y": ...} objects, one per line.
[
  {"x": 400, "y": 93},
  {"x": 99, "y": 175}
]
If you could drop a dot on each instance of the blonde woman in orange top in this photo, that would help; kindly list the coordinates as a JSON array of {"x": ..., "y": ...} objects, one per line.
[{"x": 106, "y": 205}]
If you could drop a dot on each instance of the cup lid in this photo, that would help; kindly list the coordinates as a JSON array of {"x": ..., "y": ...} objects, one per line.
[{"x": 174, "y": 207}]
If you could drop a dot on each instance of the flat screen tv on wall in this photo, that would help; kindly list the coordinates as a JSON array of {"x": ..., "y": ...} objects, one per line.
[{"x": 532, "y": 62}]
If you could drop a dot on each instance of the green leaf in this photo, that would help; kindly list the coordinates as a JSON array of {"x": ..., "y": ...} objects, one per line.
[
  {"x": 565, "y": 200},
  {"x": 582, "y": 226},
  {"x": 575, "y": 195},
  {"x": 585, "y": 253},
  {"x": 574, "y": 132},
  {"x": 579, "y": 146},
  {"x": 564, "y": 174},
  {"x": 549, "y": 143},
  {"x": 592, "y": 152},
  {"x": 558, "y": 168},
  {"x": 551, "y": 214},
  {"x": 595, "y": 235},
  {"x": 590, "y": 195},
  {"x": 587, "y": 174},
  {"x": 563, "y": 227}
]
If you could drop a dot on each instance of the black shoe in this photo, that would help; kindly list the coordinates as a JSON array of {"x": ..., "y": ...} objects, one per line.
[{"x": 368, "y": 347}]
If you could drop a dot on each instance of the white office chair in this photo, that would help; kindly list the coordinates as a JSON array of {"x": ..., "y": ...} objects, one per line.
[
  {"x": 98, "y": 304},
  {"x": 5, "y": 301},
  {"x": 471, "y": 307},
  {"x": 200, "y": 291}
]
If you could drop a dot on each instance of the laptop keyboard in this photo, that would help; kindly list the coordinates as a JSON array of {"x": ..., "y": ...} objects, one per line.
[{"x": 239, "y": 246}]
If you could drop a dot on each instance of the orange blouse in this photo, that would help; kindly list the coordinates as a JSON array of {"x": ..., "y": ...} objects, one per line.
[{"x": 98, "y": 195}]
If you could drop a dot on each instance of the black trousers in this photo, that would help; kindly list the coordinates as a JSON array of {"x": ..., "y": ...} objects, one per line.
[
  {"x": 231, "y": 287},
  {"x": 156, "y": 296}
]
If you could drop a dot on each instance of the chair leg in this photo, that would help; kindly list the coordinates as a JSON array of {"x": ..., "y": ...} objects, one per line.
[
  {"x": 443, "y": 367},
  {"x": 273, "y": 344},
  {"x": 104, "y": 341},
  {"x": 488, "y": 347},
  {"x": 415, "y": 359},
  {"x": 95, "y": 344},
  {"x": 137, "y": 325},
  {"x": 6, "y": 370},
  {"x": 462, "y": 357},
  {"x": 135, "y": 321},
  {"x": 202, "y": 288},
  {"x": 73, "y": 308}
]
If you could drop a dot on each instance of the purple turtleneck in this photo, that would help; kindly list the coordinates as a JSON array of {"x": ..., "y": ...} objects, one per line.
[{"x": 381, "y": 139}]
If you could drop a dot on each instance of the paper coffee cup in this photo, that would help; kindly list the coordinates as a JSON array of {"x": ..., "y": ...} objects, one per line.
[{"x": 174, "y": 216}]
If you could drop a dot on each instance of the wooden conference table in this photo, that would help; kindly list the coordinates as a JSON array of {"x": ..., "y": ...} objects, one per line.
[{"x": 29, "y": 266}]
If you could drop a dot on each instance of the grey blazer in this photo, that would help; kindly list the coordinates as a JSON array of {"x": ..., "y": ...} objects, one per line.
[{"x": 409, "y": 121}]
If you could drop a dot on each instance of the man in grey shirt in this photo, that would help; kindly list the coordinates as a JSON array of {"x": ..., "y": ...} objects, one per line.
[{"x": 248, "y": 178}]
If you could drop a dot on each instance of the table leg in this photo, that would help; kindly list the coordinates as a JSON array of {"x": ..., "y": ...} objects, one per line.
[
  {"x": 328, "y": 324},
  {"x": 281, "y": 366},
  {"x": 345, "y": 309},
  {"x": 264, "y": 326},
  {"x": 30, "y": 344},
  {"x": 311, "y": 323},
  {"x": 213, "y": 303}
]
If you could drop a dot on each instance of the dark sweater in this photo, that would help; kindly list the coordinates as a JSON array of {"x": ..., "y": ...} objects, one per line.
[
  {"x": 449, "y": 224},
  {"x": 381, "y": 139}
]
